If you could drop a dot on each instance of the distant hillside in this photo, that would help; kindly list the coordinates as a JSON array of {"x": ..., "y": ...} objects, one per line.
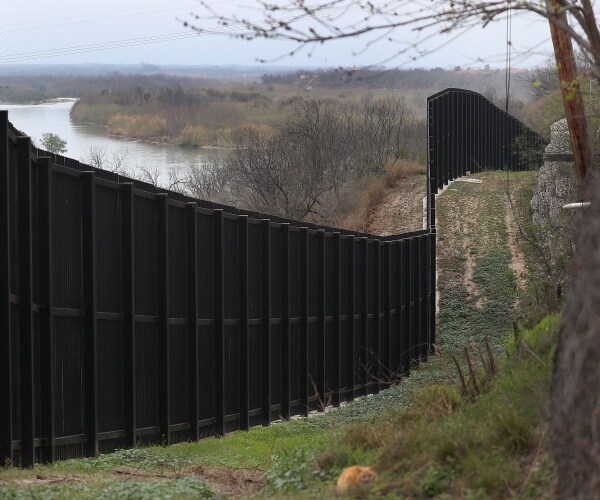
[{"x": 490, "y": 82}]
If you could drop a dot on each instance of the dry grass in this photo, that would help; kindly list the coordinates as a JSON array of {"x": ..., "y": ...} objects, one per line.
[
  {"x": 142, "y": 126},
  {"x": 398, "y": 169},
  {"x": 361, "y": 197}
]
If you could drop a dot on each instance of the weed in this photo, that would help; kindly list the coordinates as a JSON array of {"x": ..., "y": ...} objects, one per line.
[
  {"x": 513, "y": 430},
  {"x": 435, "y": 481},
  {"x": 180, "y": 488},
  {"x": 292, "y": 470}
]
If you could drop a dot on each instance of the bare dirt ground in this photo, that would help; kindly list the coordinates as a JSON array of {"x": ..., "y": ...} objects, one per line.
[
  {"x": 401, "y": 209},
  {"x": 231, "y": 483}
]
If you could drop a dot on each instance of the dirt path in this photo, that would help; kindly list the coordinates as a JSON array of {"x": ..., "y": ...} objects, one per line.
[
  {"x": 401, "y": 209},
  {"x": 518, "y": 258}
]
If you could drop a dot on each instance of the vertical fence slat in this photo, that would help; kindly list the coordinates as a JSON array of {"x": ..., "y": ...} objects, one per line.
[
  {"x": 285, "y": 332},
  {"x": 244, "y": 327},
  {"x": 351, "y": 319},
  {"x": 192, "y": 313},
  {"x": 266, "y": 321},
  {"x": 321, "y": 367},
  {"x": 388, "y": 364},
  {"x": 6, "y": 361},
  {"x": 90, "y": 305},
  {"x": 377, "y": 355},
  {"x": 432, "y": 271},
  {"x": 164, "y": 400},
  {"x": 404, "y": 280},
  {"x": 25, "y": 303},
  {"x": 336, "y": 262},
  {"x": 129, "y": 378},
  {"x": 219, "y": 324},
  {"x": 423, "y": 296},
  {"x": 46, "y": 295},
  {"x": 364, "y": 315},
  {"x": 304, "y": 320}
]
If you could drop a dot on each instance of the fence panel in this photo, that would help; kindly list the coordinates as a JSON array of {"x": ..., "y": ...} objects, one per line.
[{"x": 466, "y": 132}]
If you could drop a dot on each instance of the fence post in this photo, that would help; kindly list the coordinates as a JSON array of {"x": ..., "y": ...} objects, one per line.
[
  {"x": 266, "y": 321},
  {"x": 336, "y": 263},
  {"x": 414, "y": 299},
  {"x": 389, "y": 367},
  {"x": 46, "y": 297},
  {"x": 129, "y": 370},
  {"x": 350, "y": 367},
  {"x": 377, "y": 316},
  {"x": 304, "y": 319},
  {"x": 432, "y": 288},
  {"x": 406, "y": 336},
  {"x": 90, "y": 306},
  {"x": 364, "y": 316},
  {"x": 423, "y": 297},
  {"x": 25, "y": 304},
  {"x": 219, "y": 325},
  {"x": 192, "y": 312},
  {"x": 6, "y": 361},
  {"x": 244, "y": 327},
  {"x": 162, "y": 236},
  {"x": 321, "y": 362},
  {"x": 285, "y": 326},
  {"x": 399, "y": 361}
]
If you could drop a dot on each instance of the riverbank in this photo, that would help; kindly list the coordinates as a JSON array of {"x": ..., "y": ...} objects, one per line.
[
  {"x": 54, "y": 116},
  {"x": 210, "y": 119}
]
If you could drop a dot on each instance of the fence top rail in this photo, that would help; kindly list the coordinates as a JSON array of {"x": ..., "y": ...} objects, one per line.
[
  {"x": 406, "y": 236},
  {"x": 146, "y": 190},
  {"x": 454, "y": 90}
]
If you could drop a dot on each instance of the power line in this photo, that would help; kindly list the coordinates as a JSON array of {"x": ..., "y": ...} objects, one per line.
[
  {"x": 116, "y": 44},
  {"x": 81, "y": 49},
  {"x": 89, "y": 18}
]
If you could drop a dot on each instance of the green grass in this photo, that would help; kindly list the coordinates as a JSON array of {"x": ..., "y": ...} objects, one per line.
[{"x": 448, "y": 445}]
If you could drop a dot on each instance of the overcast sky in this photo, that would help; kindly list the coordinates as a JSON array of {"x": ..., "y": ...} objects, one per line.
[{"x": 74, "y": 31}]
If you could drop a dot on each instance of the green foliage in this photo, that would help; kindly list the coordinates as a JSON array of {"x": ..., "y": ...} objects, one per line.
[
  {"x": 292, "y": 470},
  {"x": 436, "y": 479},
  {"x": 155, "y": 459},
  {"x": 479, "y": 448},
  {"x": 180, "y": 488},
  {"x": 152, "y": 489},
  {"x": 53, "y": 143},
  {"x": 21, "y": 94}
]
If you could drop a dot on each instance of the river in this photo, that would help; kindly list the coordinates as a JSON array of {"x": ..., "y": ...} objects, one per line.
[{"x": 37, "y": 119}]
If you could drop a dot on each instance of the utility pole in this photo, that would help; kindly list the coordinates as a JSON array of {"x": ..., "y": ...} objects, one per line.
[{"x": 571, "y": 94}]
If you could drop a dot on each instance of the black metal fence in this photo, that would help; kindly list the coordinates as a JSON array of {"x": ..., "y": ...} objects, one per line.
[
  {"x": 130, "y": 315},
  {"x": 467, "y": 133}
]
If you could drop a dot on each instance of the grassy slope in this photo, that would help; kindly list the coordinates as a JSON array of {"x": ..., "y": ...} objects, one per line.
[{"x": 445, "y": 444}]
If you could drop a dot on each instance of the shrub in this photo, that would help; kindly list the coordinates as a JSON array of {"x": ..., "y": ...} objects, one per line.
[{"x": 141, "y": 126}]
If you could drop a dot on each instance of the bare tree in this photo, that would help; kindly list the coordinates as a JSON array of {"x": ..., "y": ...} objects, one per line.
[
  {"x": 98, "y": 157},
  {"x": 172, "y": 180},
  {"x": 311, "y": 23},
  {"x": 208, "y": 181},
  {"x": 379, "y": 135}
]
